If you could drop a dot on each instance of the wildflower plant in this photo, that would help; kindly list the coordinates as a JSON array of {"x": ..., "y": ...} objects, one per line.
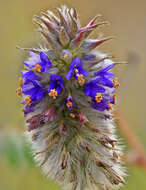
[{"x": 68, "y": 92}]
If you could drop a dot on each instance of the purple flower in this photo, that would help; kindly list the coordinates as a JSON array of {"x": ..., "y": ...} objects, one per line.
[
  {"x": 104, "y": 104},
  {"x": 69, "y": 102},
  {"x": 98, "y": 84},
  {"x": 45, "y": 63},
  {"x": 105, "y": 70},
  {"x": 103, "y": 77},
  {"x": 76, "y": 69},
  {"x": 40, "y": 62},
  {"x": 29, "y": 109},
  {"x": 34, "y": 89},
  {"x": 97, "y": 89},
  {"x": 56, "y": 85},
  {"x": 92, "y": 88}
]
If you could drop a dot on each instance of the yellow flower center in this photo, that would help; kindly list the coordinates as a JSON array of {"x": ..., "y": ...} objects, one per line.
[
  {"x": 98, "y": 97},
  {"x": 38, "y": 67},
  {"x": 76, "y": 70},
  {"x": 53, "y": 93}
]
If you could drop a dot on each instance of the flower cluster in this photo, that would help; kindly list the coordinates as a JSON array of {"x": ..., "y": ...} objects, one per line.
[
  {"x": 99, "y": 87},
  {"x": 68, "y": 92}
]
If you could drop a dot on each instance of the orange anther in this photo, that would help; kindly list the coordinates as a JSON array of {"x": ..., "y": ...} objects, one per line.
[
  {"x": 98, "y": 97},
  {"x": 109, "y": 106},
  {"x": 116, "y": 83},
  {"x": 20, "y": 81},
  {"x": 38, "y": 67},
  {"x": 69, "y": 104},
  {"x": 28, "y": 100},
  {"x": 53, "y": 93},
  {"x": 114, "y": 99},
  {"x": 81, "y": 79},
  {"x": 19, "y": 91},
  {"x": 72, "y": 115}
]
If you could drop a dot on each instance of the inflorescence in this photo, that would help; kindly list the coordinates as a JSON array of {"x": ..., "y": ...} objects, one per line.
[{"x": 68, "y": 92}]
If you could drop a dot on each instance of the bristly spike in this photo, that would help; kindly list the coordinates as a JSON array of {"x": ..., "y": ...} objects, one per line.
[
  {"x": 101, "y": 60},
  {"x": 68, "y": 91},
  {"x": 94, "y": 19},
  {"x": 63, "y": 21},
  {"x": 92, "y": 44},
  {"x": 35, "y": 50},
  {"x": 41, "y": 25},
  {"x": 88, "y": 29},
  {"x": 74, "y": 13},
  {"x": 51, "y": 16},
  {"x": 78, "y": 39},
  {"x": 94, "y": 25},
  {"x": 74, "y": 24},
  {"x": 63, "y": 37},
  {"x": 51, "y": 27}
]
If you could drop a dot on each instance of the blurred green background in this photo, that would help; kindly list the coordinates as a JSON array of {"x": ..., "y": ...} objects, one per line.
[{"x": 128, "y": 24}]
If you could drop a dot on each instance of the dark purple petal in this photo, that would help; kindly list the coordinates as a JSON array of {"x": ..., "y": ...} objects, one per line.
[
  {"x": 99, "y": 106},
  {"x": 51, "y": 86},
  {"x": 69, "y": 74},
  {"x": 76, "y": 63},
  {"x": 109, "y": 75},
  {"x": 76, "y": 68},
  {"x": 105, "y": 81},
  {"x": 40, "y": 94},
  {"x": 58, "y": 89},
  {"x": 84, "y": 72},
  {"x": 92, "y": 88},
  {"x": 56, "y": 83},
  {"x": 44, "y": 57},
  {"x": 55, "y": 77},
  {"x": 26, "y": 87},
  {"x": 28, "y": 109},
  {"x": 89, "y": 57},
  {"x": 102, "y": 71},
  {"x": 30, "y": 75}
]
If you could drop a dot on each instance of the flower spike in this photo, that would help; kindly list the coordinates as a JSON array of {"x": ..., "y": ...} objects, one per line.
[{"x": 68, "y": 93}]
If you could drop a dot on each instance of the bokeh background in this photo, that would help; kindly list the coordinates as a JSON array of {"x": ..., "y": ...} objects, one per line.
[{"x": 128, "y": 24}]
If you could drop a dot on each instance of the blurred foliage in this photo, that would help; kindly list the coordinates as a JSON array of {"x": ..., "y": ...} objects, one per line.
[{"x": 127, "y": 19}]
